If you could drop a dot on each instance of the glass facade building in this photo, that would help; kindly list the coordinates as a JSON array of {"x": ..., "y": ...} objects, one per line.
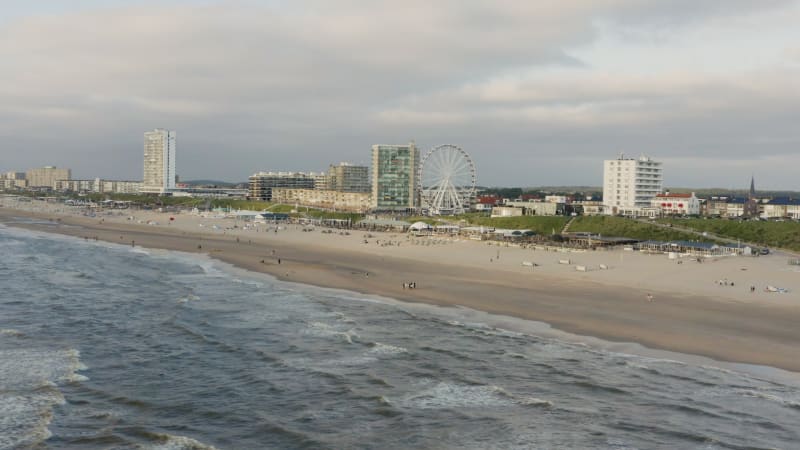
[{"x": 394, "y": 177}]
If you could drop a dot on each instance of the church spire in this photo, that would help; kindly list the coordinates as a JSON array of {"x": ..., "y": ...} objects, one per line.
[{"x": 752, "y": 187}]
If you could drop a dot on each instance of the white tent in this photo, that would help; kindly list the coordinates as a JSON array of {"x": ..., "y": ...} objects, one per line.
[{"x": 420, "y": 227}]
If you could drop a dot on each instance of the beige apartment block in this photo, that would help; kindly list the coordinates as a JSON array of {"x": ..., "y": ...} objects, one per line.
[
  {"x": 46, "y": 176},
  {"x": 334, "y": 200}
]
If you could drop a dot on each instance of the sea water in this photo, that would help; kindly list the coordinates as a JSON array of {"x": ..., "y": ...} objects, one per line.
[{"x": 106, "y": 346}]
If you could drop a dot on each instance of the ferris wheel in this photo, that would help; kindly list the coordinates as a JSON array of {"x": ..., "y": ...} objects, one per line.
[{"x": 447, "y": 180}]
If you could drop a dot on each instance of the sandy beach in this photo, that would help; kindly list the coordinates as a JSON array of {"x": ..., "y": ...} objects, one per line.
[{"x": 703, "y": 309}]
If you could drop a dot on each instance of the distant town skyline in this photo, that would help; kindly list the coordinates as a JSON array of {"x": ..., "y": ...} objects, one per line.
[{"x": 537, "y": 94}]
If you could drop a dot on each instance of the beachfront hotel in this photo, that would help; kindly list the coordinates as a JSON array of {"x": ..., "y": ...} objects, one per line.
[
  {"x": 159, "y": 161},
  {"x": 630, "y": 184},
  {"x": 98, "y": 185},
  {"x": 394, "y": 177},
  {"x": 13, "y": 181},
  {"x": 46, "y": 176},
  {"x": 358, "y": 202},
  {"x": 346, "y": 177},
  {"x": 261, "y": 184}
]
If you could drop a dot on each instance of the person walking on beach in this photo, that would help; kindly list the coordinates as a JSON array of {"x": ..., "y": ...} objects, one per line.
[{"x": 649, "y": 297}]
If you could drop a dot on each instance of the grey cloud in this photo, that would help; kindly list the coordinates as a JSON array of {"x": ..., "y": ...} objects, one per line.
[
  {"x": 680, "y": 13},
  {"x": 305, "y": 84}
]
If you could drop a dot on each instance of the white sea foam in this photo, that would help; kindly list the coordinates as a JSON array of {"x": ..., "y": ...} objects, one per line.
[
  {"x": 24, "y": 417},
  {"x": 383, "y": 400},
  {"x": 210, "y": 269},
  {"x": 341, "y": 317},
  {"x": 450, "y": 395},
  {"x": 634, "y": 365},
  {"x": 533, "y": 401},
  {"x": 29, "y": 380},
  {"x": 793, "y": 403},
  {"x": 170, "y": 442},
  {"x": 323, "y": 330},
  {"x": 187, "y": 298},
  {"x": 10, "y": 332},
  {"x": 386, "y": 349}
]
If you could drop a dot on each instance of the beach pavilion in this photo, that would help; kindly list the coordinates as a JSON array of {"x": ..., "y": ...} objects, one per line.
[
  {"x": 383, "y": 224},
  {"x": 705, "y": 249},
  {"x": 420, "y": 229},
  {"x": 588, "y": 240}
]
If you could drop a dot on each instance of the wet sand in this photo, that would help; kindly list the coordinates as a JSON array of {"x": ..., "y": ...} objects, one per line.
[{"x": 695, "y": 317}]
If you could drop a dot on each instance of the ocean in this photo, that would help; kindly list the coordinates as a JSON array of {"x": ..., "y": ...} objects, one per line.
[{"x": 104, "y": 346}]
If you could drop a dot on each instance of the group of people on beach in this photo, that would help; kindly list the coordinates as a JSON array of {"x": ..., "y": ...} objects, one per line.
[
  {"x": 725, "y": 282},
  {"x": 411, "y": 285}
]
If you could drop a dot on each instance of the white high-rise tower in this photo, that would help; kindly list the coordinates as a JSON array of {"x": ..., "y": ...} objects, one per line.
[
  {"x": 629, "y": 184},
  {"x": 159, "y": 161}
]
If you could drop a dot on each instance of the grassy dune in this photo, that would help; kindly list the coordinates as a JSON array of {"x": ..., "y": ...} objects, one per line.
[
  {"x": 623, "y": 227},
  {"x": 772, "y": 234}
]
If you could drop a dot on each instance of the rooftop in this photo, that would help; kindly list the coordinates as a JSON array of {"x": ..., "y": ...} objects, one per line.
[
  {"x": 668, "y": 195},
  {"x": 784, "y": 201}
]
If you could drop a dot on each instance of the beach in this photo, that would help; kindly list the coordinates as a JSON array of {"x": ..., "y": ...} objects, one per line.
[{"x": 703, "y": 309}]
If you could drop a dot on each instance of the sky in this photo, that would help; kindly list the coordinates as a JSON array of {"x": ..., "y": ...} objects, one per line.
[{"x": 536, "y": 92}]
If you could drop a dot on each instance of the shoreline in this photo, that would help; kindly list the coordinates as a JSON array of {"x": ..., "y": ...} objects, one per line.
[{"x": 724, "y": 329}]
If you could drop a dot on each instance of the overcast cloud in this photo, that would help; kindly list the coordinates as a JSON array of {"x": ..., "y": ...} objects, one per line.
[{"x": 539, "y": 93}]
